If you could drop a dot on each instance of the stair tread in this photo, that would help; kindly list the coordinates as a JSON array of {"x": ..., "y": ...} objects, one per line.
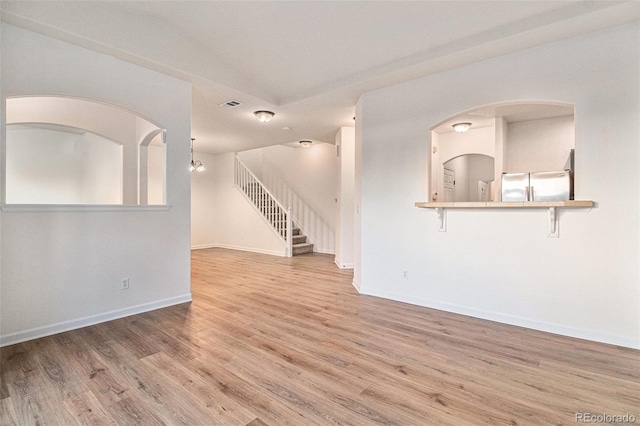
[{"x": 302, "y": 248}]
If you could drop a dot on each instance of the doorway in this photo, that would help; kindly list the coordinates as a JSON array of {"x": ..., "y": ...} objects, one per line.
[{"x": 449, "y": 185}]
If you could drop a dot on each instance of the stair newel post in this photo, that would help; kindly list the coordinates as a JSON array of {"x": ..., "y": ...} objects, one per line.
[{"x": 289, "y": 233}]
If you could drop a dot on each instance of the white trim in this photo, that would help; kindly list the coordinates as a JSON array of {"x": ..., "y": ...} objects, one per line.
[
  {"x": 356, "y": 285},
  {"x": 238, "y": 163},
  {"x": 43, "y": 208},
  {"x": 310, "y": 238},
  {"x": 203, "y": 246},
  {"x": 562, "y": 330},
  {"x": 231, "y": 247},
  {"x": 323, "y": 251},
  {"x": 252, "y": 250},
  {"x": 343, "y": 266},
  {"x": 48, "y": 330}
]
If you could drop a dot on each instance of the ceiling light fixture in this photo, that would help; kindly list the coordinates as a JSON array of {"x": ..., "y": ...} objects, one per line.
[
  {"x": 305, "y": 144},
  {"x": 196, "y": 165},
  {"x": 264, "y": 116},
  {"x": 461, "y": 127}
]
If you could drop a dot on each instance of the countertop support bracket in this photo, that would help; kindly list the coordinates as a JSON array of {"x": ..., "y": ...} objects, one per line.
[
  {"x": 553, "y": 223},
  {"x": 442, "y": 217},
  {"x": 553, "y": 206}
]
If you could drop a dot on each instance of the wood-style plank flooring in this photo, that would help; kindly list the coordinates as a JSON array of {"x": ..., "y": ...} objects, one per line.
[{"x": 275, "y": 341}]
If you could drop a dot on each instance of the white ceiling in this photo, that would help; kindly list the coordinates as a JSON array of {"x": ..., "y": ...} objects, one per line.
[
  {"x": 511, "y": 112},
  {"x": 308, "y": 61}
]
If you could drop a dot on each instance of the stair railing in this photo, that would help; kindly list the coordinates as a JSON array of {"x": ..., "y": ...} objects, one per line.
[
  {"x": 310, "y": 221},
  {"x": 269, "y": 208}
]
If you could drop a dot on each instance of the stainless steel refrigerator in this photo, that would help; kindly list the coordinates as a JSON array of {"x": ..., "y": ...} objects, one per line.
[{"x": 536, "y": 186}]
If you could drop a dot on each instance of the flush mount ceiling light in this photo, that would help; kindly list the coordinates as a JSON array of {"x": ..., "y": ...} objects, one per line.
[
  {"x": 196, "y": 165},
  {"x": 305, "y": 144},
  {"x": 461, "y": 127},
  {"x": 264, "y": 116}
]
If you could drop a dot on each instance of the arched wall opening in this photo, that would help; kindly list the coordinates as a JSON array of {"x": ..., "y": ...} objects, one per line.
[
  {"x": 521, "y": 137},
  {"x": 470, "y": 176},
  {"x": 62, "y": 150}
]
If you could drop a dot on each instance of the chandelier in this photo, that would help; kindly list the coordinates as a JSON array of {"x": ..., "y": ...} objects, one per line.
[{"x": 197, "y": 164}]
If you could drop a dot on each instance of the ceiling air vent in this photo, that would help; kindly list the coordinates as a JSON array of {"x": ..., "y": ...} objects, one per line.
[{"x": 230, "y": 104}]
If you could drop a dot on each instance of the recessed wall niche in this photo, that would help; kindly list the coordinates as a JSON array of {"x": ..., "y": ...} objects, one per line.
[
  {"x": 74, "y": 151},
  {"x": 517, "y": 137}
]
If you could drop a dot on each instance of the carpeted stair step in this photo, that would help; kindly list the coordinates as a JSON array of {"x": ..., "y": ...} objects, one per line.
[
  {"x": 299, "y": 239},
  {"x": 302, "y": 248}
]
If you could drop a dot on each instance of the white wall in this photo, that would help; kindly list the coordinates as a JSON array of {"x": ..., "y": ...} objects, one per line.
[
  {"x": 47, "y": 166},
  {"x": 585, "y": 283},
  {"x": 358, "y": 236},
  {"x": 474, "y": 141},
  {"x": 460, "y": 167},
  {"x": 116, "y": 124},
  {"x": 482, "y": 168},
  {"x": 345, "y": 143},
  {"x": 469, "y": 169},
  {"x": 156, "y": 161},
  {"x": 204, "y": 203},
  {"x": 452, "y": 145},
  {"x": 221, "y": 216},
  {"x": 239, "y": 226},
  {"x": 304, "y": 179},
  {"x": 540, "y": 145},
  {"x": 252, "y": 159},
  {"x": 62, "y": 269}
]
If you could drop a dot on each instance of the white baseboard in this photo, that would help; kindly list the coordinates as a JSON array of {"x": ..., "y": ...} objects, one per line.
[
  {"x": 254, "y": 250},
  {"x": 48, "y": 330},
  {"x": 356, "y": 285},
  {"x": 343, "y": 266},
  {"x": 324, "y": 251},
  {"x": 251, "y": 249},
  {"x": 203, "y": 246},
  {"x": 560, "y": 329}
]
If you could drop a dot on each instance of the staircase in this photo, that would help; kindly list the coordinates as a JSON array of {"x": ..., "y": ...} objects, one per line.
[
  {"x": 300, "y": 244},
  {"x": 271, "y": 210}
]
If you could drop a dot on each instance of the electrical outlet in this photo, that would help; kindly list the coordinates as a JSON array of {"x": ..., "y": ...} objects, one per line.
[
  {"x": 405, "y": 275},
  {"x": 124, "y": 284}
]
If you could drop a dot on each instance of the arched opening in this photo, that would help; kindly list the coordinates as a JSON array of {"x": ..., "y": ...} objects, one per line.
[
  {"x": 56, "y": 164},
  {"x": 63, "y": 150},
  {"x": 468, "y": 177},
  {"x": 521, "y": 137}
]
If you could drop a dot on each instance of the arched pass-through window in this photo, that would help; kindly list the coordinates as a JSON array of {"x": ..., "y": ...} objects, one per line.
[
  {"x": 67, "y": 151},
  {"x": 513, "y": 155},
  {"x": 519, "y": 136}
]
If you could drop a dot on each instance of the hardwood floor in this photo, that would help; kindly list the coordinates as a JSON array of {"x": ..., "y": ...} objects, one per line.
[{"x": 275, "y": 341}]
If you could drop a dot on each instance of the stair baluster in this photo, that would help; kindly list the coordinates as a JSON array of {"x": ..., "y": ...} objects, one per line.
[{"x": 265, "y": 203}]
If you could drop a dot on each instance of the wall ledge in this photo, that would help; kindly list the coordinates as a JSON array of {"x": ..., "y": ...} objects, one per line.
[
  {"x": 505, "y": 205},
  {"x": 45, "y": 208}
]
